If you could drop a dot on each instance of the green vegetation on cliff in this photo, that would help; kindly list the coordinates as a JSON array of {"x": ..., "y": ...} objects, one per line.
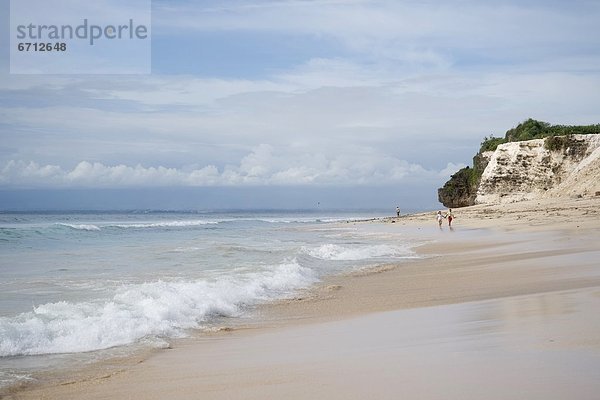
[
  {"x": 461, "y": 189},
  {"x": 491, "y": 143},
  {"x": 533, "y": 129}
]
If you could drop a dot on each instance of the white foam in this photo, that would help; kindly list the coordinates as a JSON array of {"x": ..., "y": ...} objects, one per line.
[
  {"x": 185, "y": 249},
  {"x": 166, "y": 224},
  {"x": 159, "y": 224},
  {"x": 336, "y": 252},
  {"x": 81, "y": 227},
  {"x": 149, "y": 310},
  {"x": 301, "y": 220},
  {"x": 192, "y": 223},
  {"x": 8, "y": 378}
]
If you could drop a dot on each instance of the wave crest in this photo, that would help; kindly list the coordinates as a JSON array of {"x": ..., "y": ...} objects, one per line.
[
  {"x": 336, "y": 252},
  {"x": 154, "y": 309},
  {"x": 81, "y": 227},
  {"x": 166, "y": 224}
]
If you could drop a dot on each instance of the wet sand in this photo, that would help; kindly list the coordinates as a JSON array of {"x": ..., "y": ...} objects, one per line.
[{"x": 509, "y": 311}]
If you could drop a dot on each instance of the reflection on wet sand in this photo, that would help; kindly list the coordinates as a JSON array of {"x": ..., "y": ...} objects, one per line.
[{"x": 552, "y": 320}]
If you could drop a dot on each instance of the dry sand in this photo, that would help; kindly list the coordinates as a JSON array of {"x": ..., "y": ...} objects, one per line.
[{"x": 505, "y": 312}]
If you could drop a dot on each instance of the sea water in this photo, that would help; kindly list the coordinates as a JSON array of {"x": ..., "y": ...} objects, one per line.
[{"x": 73, "y": 283}]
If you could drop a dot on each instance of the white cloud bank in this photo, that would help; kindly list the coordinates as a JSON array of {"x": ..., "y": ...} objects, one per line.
[
  {"x": 418, "y": 81},
  {"x": 263, "y": 166}
]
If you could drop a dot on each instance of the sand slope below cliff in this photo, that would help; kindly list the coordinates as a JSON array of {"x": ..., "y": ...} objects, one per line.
[{"x": 583, "y": 181}]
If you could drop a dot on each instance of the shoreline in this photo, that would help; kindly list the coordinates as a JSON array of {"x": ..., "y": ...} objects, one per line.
[
  {"x": 460, "y": 268},
  {"x": 450, "y": 264}
]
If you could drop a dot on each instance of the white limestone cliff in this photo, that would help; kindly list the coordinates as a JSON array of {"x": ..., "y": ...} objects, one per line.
[{"x": 529, "y": 170}]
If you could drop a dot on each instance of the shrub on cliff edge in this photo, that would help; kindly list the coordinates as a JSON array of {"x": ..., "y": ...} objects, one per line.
[{"x": 461, "y": 189}]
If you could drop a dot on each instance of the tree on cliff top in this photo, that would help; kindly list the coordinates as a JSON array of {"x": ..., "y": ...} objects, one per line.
[
  {"x": 527, "y": 130},
  {"x": 461, "y": 189},
  {"x": 533, "y": 129}
]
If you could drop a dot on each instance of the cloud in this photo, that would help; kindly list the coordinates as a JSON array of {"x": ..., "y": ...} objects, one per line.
[
  {"x": 424, "y": 34},
  {"x": 265, "y": 165},
  {"x": 409, "y": 89},
  {"x": 429, "y": 120},
  {"x": 451, "y": 169}
]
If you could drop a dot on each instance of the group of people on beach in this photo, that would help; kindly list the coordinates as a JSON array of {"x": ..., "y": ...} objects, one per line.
[
  {"x": 439, "y": 216},
  {"x": 449, "y": 216}
]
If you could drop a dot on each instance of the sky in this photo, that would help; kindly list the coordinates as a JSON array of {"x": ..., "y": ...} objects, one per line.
[{"x": 292, "y": 103}]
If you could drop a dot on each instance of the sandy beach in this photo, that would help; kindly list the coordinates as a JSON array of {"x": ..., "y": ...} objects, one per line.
[{"x": 505, "y": 305}]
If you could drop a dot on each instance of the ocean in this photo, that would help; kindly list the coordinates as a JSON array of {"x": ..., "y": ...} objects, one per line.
[{"x": 74, "y": 284}]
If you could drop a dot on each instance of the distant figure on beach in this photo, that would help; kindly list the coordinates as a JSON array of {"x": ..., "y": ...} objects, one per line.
[
  {"x": 439, "y": 218},
  {"x": 450, "y": 217},
  {"x": 397, "y": 211}
]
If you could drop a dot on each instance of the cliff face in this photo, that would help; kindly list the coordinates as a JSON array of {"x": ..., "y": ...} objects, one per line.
[
  {"x": 461, "y": 189},
  {"x": 556, "y": 166},
  {"x": 534, "y": 159}
]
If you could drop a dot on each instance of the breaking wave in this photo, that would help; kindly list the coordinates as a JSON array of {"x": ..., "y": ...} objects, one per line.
[
  {"x": 157, "y": 309},
  {"x": 81, "y": 227},
  {"x": 336, "y": 252}
]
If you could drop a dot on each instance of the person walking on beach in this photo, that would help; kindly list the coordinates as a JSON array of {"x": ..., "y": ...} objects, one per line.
[
  {"x": 439, "y": 218},
  {"x": 397, "y": 211},
  {"x": 450, "y": 217}
]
